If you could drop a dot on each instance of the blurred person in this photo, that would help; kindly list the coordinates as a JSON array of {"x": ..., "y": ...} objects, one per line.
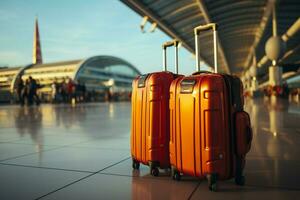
[
  {"x": 54, "y": 91},
  {"x": 109, "y": 94},
  {"x": 32, "y": 94},
  {"x": 63, "y": 90},
  {"x": 20, "y": 88},
  {"x": 83, "y": 90},
  {"x": 70, "y": 90},
  {"x": 58, "y": 92},
  {"x": 93, "y": 95},
  {"x": 78, "y": 91},
  {"x": 286, "y": 90},
  {"x": 39, "y": 95},
  {"x": 269, "y": 91},
  {"x": 25, "y": 92}
]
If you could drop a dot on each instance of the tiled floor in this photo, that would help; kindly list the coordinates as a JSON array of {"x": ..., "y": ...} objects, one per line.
[{"x": 83, "y": 152}]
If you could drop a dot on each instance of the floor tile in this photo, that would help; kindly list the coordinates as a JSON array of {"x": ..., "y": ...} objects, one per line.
[
  {"x": 10, "y": 150},
  {"x": 84, "y": 159},
  {"x": 107, "y": 143},
  {"x": 102, "y": 186},
  {"x": 22, "y": 183},
  {"x": 57, "y": 140},
  {"x": 273, "y": 173}
]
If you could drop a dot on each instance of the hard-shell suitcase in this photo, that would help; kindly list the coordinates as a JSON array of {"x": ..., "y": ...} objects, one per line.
[
  {"x": 206, "y": 113},
  {"x": 150, "y": 121}
]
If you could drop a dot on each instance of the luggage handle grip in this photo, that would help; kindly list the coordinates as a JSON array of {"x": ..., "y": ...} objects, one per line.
[
  {"x": 170, "y": 43},
  {"x": 197, "y": 31},
  {"x": 187, "y": 86},
  {"x": 174, "y": 43},
  {"x": 205, "y": 27}
]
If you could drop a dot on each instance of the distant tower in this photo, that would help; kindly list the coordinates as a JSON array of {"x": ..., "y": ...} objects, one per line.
[{"x": 37, "y": 51}]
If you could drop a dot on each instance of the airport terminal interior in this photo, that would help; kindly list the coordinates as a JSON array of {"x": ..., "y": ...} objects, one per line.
[{"x": 71, "y": 136}]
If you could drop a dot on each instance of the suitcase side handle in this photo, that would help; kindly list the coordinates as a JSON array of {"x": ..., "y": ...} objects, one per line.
[
  {"x": 197, "y": 31},
  {"x": 174, "y": 43}
]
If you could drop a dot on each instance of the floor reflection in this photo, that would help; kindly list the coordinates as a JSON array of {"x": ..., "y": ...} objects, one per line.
[
  {"x": 88, "y": 120},
  {"x": 275, "y": 143},
  {"x": 28, "y": 120},
  {"x": 32, "y": 120},
  {"x": 69, "y": 116}
]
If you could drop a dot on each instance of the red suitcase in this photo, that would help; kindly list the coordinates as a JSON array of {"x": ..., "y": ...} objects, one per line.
[
  {"x": 150, "y": 117},
  {"x": 210, "y": 133}
]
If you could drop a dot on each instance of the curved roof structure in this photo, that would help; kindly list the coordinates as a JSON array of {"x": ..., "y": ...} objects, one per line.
[
  {"x": 103, "y": 62},
  {"x": 72, "y": 68},
  {"x": 244, "y": 27},
  {"x": 94, "y": 71}
]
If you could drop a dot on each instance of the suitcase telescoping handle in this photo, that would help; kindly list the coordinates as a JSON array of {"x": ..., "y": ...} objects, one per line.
[
  {"x": 165, "y": 46},
  {"x": 197, "y": 31}
]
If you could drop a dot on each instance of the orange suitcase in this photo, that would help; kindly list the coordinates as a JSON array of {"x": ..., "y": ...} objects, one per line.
[
  {"x": 206, "y": 113},
  {"x": 150, "y": 122}
]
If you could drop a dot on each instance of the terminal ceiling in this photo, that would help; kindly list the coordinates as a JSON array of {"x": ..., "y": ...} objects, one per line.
[{"x": 244, "y": 27}]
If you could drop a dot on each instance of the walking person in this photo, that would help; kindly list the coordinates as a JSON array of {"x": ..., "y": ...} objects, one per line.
[
  {"x": 33, "y": 86},
  {"x": 63, "y": 90},
  {"x": 20, "y": 88},
  {"x": 70, "y": 90},
  {"x": 25, "y": 93},
  {"x": 54, "y": 91},
  {"x": 83, "y": 91},
  {"x": 78, "y": 91}
]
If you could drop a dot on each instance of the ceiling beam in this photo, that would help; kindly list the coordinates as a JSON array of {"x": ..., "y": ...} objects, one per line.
[
  {"x": 207, "y": 18},
  {"x": 144, "y": 11},
  {"x": 141, "y": 9},
  {"x": 292, "y": 30},
  {"x": 260, "y": 30},
  {"x": 289, "y": 53}
]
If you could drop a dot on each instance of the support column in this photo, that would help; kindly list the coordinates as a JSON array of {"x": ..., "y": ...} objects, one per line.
[
  {"x": 254, "y": 84},
  {"x": 275, "y": 48},
  {"x": 275, "y": 76},
  {"x": 253, "y": 72}
]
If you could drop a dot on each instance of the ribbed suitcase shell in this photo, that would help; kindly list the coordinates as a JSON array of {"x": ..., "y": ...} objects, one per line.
[
  {"x": 202, "y": 128},
  {"x": 200, "y": 136},
  {"x": 150, "y": 119}
]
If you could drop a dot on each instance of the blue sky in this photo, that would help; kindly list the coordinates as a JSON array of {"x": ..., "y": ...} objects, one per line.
[{"x": 79, "y": 29}]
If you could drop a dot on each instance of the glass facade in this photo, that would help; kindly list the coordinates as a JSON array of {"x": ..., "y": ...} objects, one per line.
[
  {"x": 100, "y": 74},
  {"x": 106, "y": 74}
]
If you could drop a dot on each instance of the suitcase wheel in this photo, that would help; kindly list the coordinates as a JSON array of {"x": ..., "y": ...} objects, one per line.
[
  {"x": 212, "y": 182},
  {"x": 135, "y": 164},
  {"x": 175, "y": 174},
  {"x": 240, "y": 180},
  {"x": 213, "y": 187},
  {"x": 154, "y": 171},
  {"x": 153, "y": 168}
]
